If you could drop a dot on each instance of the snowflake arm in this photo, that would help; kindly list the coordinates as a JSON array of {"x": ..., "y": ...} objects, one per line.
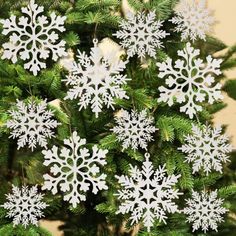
[
  {"x": 204, "y": 210},
  {"x": 32, "y": 124},
  {"x": 141, "y": 34},
  {"x": 25, "y": 205},
  {"x": 96, "y": 80},
  {"x": 193, "y": 20},
  {"x": 40, "y": 37},
  {"x": 190, "y": 81},
  {"x": 74, "y": 179},
  {"x": 134, "y": 129},
  {"x": 207, "y": 149},
  {"x": 147, "y": 194}
]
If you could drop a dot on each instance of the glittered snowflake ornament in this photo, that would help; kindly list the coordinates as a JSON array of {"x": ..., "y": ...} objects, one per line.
[
  {"x": 31, "y": 124},
  {"x": 141, "y": 34},
  {"x": 204, "y": 210},
  {"x": 33, "y": 37},
  {"x": 96, "y": 80},
  {"x": 24, "y": 205},
  {"x": 193, "y": 20},
  {"x": 148, "y": 194},
  {"x": 74, "y": 170},
  {"x": 134, "y": 129},
  {"x": 207, "y": 149},
  {"x": 190, "y": 81}
]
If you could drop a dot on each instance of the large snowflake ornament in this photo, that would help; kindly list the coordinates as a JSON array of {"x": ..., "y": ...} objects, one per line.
[
  {"x": 141, "y": 34},
  {"x": 25, "y": 205},
  {"x": 74, "y": 169},
  {"x": 193, "y": 19},
  {"x": 33, "y": 37},
  {"x": 204, "y": 210},
  {"x": 96, "y": 80},
  {"x": 190, "y": 80},
  {"x": 31, "y": 123},
  {"x": 134, "y": 129},
  {"x": 148, "y": 194},
  {"x": 206, "y": 148}
]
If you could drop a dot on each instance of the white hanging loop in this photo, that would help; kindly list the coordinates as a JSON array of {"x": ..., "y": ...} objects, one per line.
[
  {"x": 95, "y": 42},
  {"x": 147, "y": 155}
]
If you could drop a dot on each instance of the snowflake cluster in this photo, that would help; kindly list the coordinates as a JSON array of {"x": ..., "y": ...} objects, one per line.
[
  {"x": 25, "y": 205},
  {"x": 96, "y": 80},
  {"x": 74, "y": 169},
  {"x": 204, "y": 210},
  {"x": 206, "y": 148},
  {"x": 141, "y": 34},
  {"x": 193, "y": 19},
  {"x": 148, "y": 194},
  {"x": 134, "y": 129},
  {"x": 31, "y": 123},
  {"x": 190, "y": 80},
  {"x": 33, "y": 37}
]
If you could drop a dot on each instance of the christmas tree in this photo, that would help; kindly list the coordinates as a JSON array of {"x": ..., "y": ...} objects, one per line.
[{"x": 106, "y": 119}]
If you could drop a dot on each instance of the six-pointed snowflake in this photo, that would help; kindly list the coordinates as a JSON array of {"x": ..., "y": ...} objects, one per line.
[
  {"x": 148, "y": 194},
  {"x": 206, "y": 148},
  {"x": 96, "y": 80},
  {"x": 33, "y": 37},
  {"x": 134, "y": 129},
  {"x": 141, "y": 34},
  {"x": 25, "y": 205},
  {"x": 190, "y": 80},
  {"x": 74, "y": 169},
  {"x": 204, "y": 210},
  {"x": 193, "y": 19},
  {"x": 31, "y": 123}
]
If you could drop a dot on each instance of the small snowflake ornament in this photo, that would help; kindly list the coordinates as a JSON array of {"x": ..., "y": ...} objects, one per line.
[
  {"x": 148, "y": 194},
  {"x": 31, "y": 123},
  {"x": 74, "y": 170},
  {"x": 33, "y": 37},
  {"x": 141, "y": 34},
  {"x": 206, "y": 148},
  {"x": 25, "y": 205},
  {"x": 96, "y": 80},
  {"x": 193, "y": 19},
  {"x": 204, "y": 210},
  {"x": 190, "y": 80},
  {"x": 134, "y": 129}
]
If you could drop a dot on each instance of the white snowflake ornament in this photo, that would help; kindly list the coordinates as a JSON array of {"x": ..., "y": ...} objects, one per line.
[
  {"x": 96, "y": 80},
  {"x": 206, "y": 148},
  {"x": 193, "y": 19},
  {"x": 74, "y": 170},
  {"x": 32, "y": 124},
  {"x": 134, "y": 129},
  {"x": 141, "y": 34},
  {"x": 25, "y": 205},
  {"x": 190, "y": 80},
  {"x": 204, "y": 210},
  {"x": 148, "y": 194},
  {"x": 33, "y": 37}
]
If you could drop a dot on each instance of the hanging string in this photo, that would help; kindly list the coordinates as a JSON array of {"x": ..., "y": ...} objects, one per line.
[
  {"x": 69, "y": 123},
  {"x": 30, "y": 92},
  {"x": 197, "y": 118},
  {"x": 23, "y": 174},
  {"x": 95, "y": 31},
  {"x": 96, "y": 25}
]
